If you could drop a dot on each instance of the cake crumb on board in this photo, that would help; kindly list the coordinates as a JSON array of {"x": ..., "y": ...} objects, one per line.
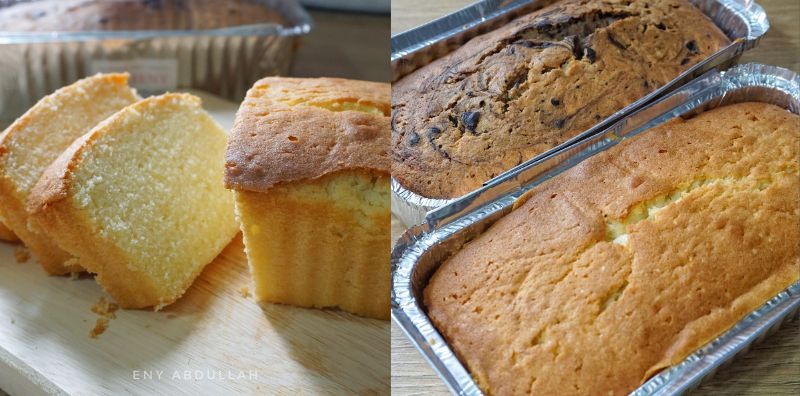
[
  {"x": 244, "y": 291},
  {"x": 21, "y": 254},
  {"x": 100, "y": 326},
  {"x": 107, "y": 311}
]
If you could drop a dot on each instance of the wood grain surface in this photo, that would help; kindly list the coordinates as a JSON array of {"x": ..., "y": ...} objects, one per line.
[
  {"x": 770, "y": 368},
  {"x": 228, "y": 343}
]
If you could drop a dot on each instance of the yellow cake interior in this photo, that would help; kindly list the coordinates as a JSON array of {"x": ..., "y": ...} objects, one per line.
[
  {"x": 321, "y": 243},
  {"x": 146, "y": 207}
]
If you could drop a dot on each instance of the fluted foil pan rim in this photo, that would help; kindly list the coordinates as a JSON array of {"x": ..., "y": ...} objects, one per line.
[
  {"x": 447, "y": 228},
  {"x": 298, "y": 22}
]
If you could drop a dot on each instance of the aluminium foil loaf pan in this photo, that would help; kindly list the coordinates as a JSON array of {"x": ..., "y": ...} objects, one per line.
[
  {"x": 743, "y": 21},
  {"x": 420, "y": 251},
  {"x": 224, "y": 61}
]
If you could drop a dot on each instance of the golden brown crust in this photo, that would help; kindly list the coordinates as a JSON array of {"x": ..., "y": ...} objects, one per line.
[
  {"x": 290, "y": 129},
  {"x": 553, "y": 299},
  {"x": 513, "y": 93}
]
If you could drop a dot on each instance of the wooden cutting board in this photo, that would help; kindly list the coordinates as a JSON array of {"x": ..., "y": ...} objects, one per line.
[{"x": 215, "y": 340}]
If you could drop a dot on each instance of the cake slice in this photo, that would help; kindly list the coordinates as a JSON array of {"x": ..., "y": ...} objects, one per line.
[
  {"x": 34, "y": 140},
  {"x": 139, "y": 200},
  {"x": 308, "y": 163}
]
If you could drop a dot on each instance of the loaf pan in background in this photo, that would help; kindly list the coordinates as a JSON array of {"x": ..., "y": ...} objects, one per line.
[
  {"x": 224, "y": 61},
  {"x": 744, "y": 21},
  {"x": 419, "y": 252}
]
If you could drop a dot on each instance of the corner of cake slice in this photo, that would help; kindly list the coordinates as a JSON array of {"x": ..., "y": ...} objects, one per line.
[
  {"x": 140, "y": 200},
  {"x": 37, "y": 138}
]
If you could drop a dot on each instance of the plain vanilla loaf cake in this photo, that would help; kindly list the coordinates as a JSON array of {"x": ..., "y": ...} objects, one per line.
[
  {"x": 630, "y": 261},
  {"x": 513, "y": 93},
  {"x": 139, "y": 200},
  {"x": 309, "y": 166},
  {"x": 35, "y": 139}
]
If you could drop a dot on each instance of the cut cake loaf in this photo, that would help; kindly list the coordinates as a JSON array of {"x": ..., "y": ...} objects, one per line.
[
  {"x": 308, "y": 162},
  {"x": 35, "y": 139},
  {"x": 139, "y": 200}
]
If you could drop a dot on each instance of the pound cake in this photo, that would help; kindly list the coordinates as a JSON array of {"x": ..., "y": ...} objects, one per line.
[
  {"x": 35, "y": 139},
  {"x": 628, "y": 262},
  {"x": 139, "y": 200},
  {"x": 308, "y": 163},
  {"x": 515, "y": 92}
]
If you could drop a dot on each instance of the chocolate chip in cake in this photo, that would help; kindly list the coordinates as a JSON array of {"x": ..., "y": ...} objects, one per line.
[
  {"x": 613, "y": 40},
  {"x": 691, "y": 46},
  {"x": 574, "y": 44},
  {"x": 534, "y": 44},
  {"x": 560, "y": 123},
  {"x": 555, "y": 102},
  {"x": 684, "y": 61},
  {"x": 590, "y": 54},
  {"x": 433, "y": 133},
  {"x": 661, "y": 26},
  {"x": 453, "y": 120},
  {"x": 413, "y": 139},
  {"x": 470, "y": 120}
]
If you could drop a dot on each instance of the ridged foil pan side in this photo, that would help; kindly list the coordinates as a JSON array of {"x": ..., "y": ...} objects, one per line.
[
  {"x": 225, "y": 61},
  {"x": 744, "y": 21},
  {"x": 411, "y": 207},
  {"x": 419, "y": 252}
]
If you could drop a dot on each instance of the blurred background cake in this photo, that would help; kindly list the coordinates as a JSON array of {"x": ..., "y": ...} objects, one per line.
[{"x": 89, "y": 15}]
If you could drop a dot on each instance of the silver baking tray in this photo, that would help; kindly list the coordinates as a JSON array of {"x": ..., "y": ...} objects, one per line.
[
  {"x": 420, "y": 251},
  {"x": 744, "y": 21},
  {"x": 225, "y": 61}
]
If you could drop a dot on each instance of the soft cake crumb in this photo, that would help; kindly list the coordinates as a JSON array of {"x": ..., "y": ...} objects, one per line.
[
  {"x": 107, "y": 311},
  {"x": 99, "y": 327},
  {"x": 21, "y": 254},
  {"x": 104, "y": 307}
]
